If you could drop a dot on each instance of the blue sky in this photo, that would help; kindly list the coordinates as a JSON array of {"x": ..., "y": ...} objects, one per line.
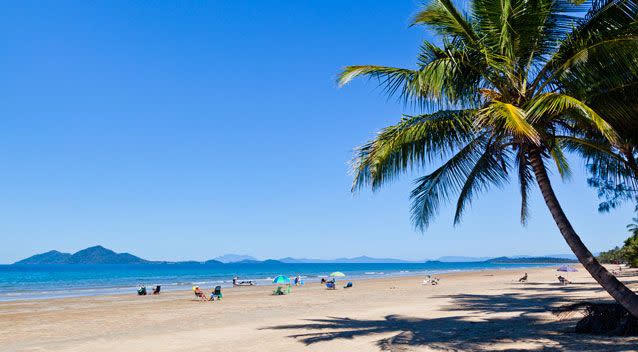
[{"x": 186, "y": 130}]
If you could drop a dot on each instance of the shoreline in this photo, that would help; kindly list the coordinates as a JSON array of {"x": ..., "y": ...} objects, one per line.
[{"x": 126, "y": 290}]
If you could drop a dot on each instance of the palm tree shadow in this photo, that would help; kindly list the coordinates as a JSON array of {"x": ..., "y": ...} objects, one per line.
[{"x": 523, "y": 324}]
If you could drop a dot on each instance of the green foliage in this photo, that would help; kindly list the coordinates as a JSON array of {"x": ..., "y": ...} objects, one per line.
[
  {"x": 631, "y": 244},
  {"x": 511, "y": 81},
  {"x": 612, "y": 256},
  {"x": 629, "y": 252}
]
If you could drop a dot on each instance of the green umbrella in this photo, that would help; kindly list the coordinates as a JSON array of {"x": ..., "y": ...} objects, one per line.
[
  {"x": 281, "y": 279},
  {"x": 338, "y": 274}
]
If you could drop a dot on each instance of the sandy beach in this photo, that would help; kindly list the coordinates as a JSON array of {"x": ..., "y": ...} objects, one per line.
[{"x": 487, "y": 310}]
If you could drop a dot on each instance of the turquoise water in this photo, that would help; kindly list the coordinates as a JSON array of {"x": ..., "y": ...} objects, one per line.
[{"x": 18, "y": 282}]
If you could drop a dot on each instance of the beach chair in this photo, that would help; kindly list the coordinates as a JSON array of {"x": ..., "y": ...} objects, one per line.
[
  {"x": 141, "y": 291},
  {"x": 217, "y": 292},
  {"x": 331, "y": 286},
  {"x": 348, "y": 285},
  {"x": 278, "y": 291},
  {"x": 523, "y": 279},
  {"x": 199, "y": 293},
  {"x": 156, "y": 290}
]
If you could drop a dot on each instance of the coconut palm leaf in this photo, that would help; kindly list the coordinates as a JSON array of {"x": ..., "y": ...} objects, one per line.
[
  {"x": 447, "y": 20},
  {"x": 609, "y": 30},
  {"x": 444, "y": 182},
  {"x": 444, "y": 78},
  {"x": 509, "y": 118},
  {"x": 489, "y": 170},
  {"x": 550, "y": 105},
  {"x": 414, "y": 141},
  {"x": 525, "y": 180}
]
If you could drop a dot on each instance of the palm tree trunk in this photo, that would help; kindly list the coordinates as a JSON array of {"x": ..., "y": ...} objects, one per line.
[{"x": 609, "y": 282}]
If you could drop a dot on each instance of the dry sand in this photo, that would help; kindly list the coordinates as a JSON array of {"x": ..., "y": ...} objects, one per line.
[{"x": 485, "y": 310}]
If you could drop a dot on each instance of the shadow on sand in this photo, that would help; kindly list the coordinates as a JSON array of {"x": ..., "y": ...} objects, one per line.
[{"x": 522, "y": 319}]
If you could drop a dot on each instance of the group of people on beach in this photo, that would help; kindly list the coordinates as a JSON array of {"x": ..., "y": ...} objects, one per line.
[
  {"x": 141, "y": 291},
  {"x": 562, "y": 280},
  {"x": 429, "y": 280},
  {"x": 236, "y": 282},
  {"x": 215, "y": 293}
]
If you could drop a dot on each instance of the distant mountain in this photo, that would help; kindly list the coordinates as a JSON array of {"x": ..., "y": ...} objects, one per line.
[
  {"x": 248, "y": 261},
  {"x": 233, "y": 258},
  {"x": 101, "y": 255},
  {"x": 553, "y": 258},
  {"x": 564, "y": 256},
  {"x": 50, "y": 257},
  {"x": 530, "y": 260},
  {"x": 361, "y": 259},
  {"x": 91, "y": 255},
  {"x": 461, "y": 259},
  {"x": 213, "y": 261}
]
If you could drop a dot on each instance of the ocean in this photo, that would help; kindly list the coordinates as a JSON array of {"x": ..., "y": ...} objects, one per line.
[{"x": 23, "y": 282}]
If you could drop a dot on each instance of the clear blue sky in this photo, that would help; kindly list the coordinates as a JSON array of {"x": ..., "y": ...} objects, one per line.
[{"x": 186, "y": 130}]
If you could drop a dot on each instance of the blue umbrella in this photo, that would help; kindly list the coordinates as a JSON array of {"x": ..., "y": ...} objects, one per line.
[
  {"x": 567, "y": 269},
  {"x": 281, "y": 279}
]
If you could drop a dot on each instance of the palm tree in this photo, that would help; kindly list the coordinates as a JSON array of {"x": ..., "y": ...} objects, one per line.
[
  {"x": 511, "y": 86},
  {"x": 633, "y": 227}
]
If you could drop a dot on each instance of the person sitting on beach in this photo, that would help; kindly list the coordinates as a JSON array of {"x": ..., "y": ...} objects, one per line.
[
  {"x": 236, "y": 282},
  {"x": 563, "y": 281},
  {"x": 216, "y": 292},
  {"x": 323, "y": 280},
  {"x": 523, "y": 279},
  {"x": 141, "y": 291},
  {"x": 199, "y": 293}
]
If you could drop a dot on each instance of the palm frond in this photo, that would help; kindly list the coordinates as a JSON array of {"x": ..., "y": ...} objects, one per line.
[
  {"x": 525, "y": 180},
  {"x": 489, "y": 170},
  {"x": 389, "y": 76},
  {"x": 445, "y": 78},
  {"x": 603, "y": 163},
  {"x": 414, "y": 141},
  {"x": 562, "y": 165},
  {"x": 446, "y": 19},
  {"x": 440, "y": 185},
  {"x": 549, "y": 105},
  {"x": 506, "y": 116},
  {"x": 608, "y": 27}
]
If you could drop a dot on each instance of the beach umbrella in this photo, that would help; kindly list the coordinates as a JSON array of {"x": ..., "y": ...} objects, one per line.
[
  {"x": 281, "y": 279},
  {"x": 337, "y": 274},
  {"x": 567, "y": 269}
]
